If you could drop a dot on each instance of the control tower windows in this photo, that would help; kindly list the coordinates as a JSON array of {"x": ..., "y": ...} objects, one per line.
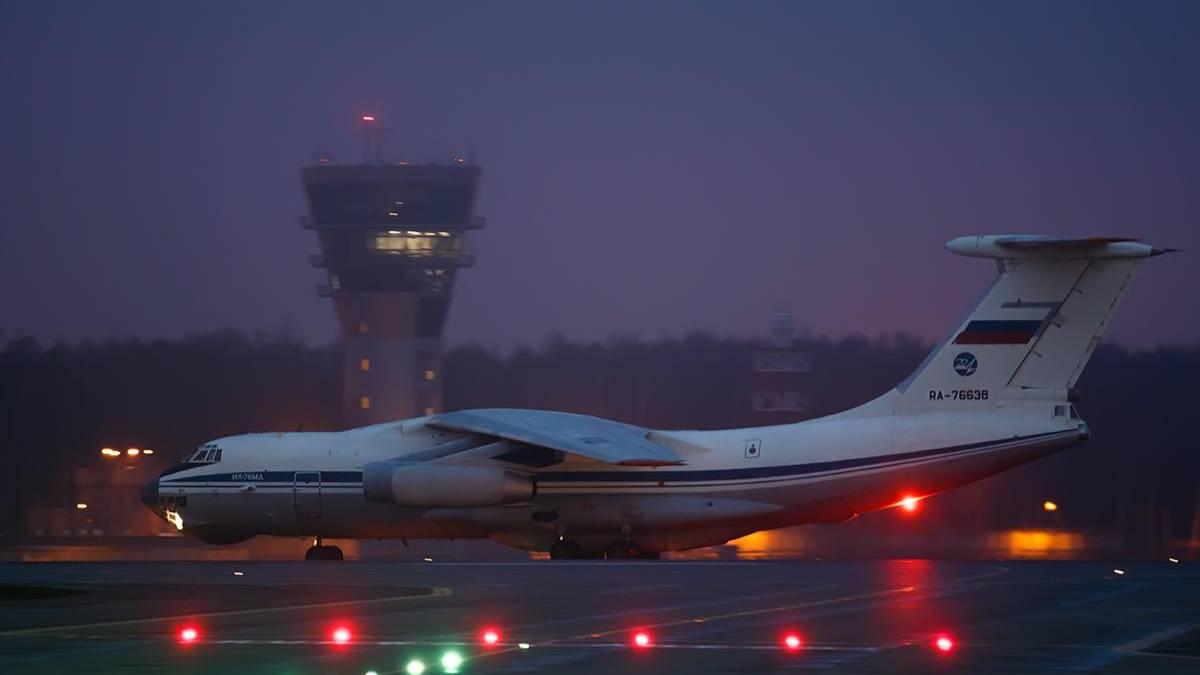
[
  {"x": 416, "y": 244},
  {"x": 364, "y": 365}
]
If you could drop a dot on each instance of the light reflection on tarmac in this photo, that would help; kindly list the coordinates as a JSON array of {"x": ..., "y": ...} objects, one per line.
[{"x": 581, "y": 617}]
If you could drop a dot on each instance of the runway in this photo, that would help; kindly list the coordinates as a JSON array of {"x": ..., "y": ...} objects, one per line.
[{"x": 582, "y": 617}]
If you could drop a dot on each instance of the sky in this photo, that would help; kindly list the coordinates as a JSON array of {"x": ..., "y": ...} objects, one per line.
[{"x": 649, "y": 168}]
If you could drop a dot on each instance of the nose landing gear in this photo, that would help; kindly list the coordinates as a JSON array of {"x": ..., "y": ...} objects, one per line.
[{"x": 319, "y": 552}]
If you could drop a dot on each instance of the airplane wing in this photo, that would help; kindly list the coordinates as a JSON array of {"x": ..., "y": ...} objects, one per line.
[{"x": 603, "y": 440}]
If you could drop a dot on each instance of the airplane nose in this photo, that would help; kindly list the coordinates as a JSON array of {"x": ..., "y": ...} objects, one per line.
[{"x": 149, "y": 494}]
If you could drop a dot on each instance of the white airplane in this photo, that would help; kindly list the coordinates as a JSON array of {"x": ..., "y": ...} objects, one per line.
[{"x": 997, "y": 393}]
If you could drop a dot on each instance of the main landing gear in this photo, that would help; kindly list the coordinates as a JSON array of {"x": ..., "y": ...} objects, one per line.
[
  {"x": 566, "y": 549},
  {"x": 319, "y": 552}
]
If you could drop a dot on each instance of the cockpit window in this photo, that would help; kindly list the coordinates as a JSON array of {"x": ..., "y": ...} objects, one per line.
[{"x": 207, "y": 454}]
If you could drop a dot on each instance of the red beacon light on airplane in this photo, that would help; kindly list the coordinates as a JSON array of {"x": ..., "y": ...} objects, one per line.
[
  {"x": 490, "y": 637},
  {"x": 909, "y": 503},
  {"x": 943, "y": 643},
  {"x": 792, "y": 642}
]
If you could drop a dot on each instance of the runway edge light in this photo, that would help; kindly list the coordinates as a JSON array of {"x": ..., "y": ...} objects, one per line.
[{"x": 641, "y": 639}]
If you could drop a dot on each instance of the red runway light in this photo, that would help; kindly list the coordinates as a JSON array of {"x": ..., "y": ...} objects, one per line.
[
  {"x": 341, "y": 635},
  {"x": 944, "y": 644},
  {"x": 188, "y": 634},
  {"x": 792, "y": 642},
  {"x": 641, "y": 639},
  {"x": 491, "y": 637}
]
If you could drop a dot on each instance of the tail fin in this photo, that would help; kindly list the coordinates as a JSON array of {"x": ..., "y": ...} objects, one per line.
[{"x": 1037, "y": 324}]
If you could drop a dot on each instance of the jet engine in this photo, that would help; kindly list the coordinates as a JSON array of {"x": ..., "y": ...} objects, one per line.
[{"x": 444, "y": 486}]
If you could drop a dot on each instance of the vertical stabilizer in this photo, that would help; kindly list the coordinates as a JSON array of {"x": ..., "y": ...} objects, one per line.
[{"x": 1036, "y": 326}]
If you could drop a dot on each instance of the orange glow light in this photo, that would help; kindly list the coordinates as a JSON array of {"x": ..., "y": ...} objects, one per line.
[
  {"x": 1049, "y": 506},
  {"x": 133, "y": 452}
]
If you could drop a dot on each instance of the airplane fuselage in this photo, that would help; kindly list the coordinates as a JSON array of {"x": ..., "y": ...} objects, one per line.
[{"x": 734, "y": 482}]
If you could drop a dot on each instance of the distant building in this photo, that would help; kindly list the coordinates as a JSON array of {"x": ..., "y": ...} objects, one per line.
[
  {"x": 779, "y": 382},
  {"x": 392, "y": 240}
]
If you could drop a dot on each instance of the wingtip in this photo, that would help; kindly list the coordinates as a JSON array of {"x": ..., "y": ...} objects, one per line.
[{"x": 1159, "y": 251}]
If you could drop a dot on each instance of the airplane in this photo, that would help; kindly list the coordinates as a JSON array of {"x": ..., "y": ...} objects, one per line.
[{"x": 997, "y": 393}]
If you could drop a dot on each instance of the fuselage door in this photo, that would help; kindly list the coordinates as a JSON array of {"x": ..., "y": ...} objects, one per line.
[{"x": 306, "y": 491}]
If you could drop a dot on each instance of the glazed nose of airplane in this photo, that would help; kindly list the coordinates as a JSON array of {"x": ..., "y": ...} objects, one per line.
[{"x": 149, "y": 494}]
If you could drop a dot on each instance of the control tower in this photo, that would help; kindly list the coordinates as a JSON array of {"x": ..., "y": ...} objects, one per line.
[{"x": 392, "y": 241}]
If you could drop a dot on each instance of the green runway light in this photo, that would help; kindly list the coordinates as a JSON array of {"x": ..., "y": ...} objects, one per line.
[
  {"x": 451, "y": 662},
  {"x": 414, "y": 667},
  {"x": 370, "y": 672}
]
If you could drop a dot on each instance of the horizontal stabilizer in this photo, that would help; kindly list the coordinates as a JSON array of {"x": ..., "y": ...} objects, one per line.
[
  {"x": 1012, "y": 246},
  {"x": 583, "y": 435}
]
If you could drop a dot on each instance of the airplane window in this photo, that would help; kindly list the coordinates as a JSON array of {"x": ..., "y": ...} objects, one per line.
[
  {"x": 216, "y": 455},
  {"x": 200, "y": 456}
]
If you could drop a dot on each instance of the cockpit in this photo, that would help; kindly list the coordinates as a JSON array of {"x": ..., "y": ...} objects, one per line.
[{"x": 206, "y": 454}]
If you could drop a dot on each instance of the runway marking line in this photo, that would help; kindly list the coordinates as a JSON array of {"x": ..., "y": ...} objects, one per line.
[
  {"x": 1135, "y": 647},
  {"x": 435, "y": 592}
]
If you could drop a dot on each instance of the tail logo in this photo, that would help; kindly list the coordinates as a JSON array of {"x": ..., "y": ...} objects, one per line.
[{"x": 965, "y": 364}]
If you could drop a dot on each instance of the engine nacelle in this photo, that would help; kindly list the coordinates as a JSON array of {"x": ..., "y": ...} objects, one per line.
[{"x": 444, "y": 486}]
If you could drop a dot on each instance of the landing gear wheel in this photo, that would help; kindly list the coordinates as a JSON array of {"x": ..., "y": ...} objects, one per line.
[
  {"x": 323, "y": 553},
  {"x": 622, "y": 550},
  {"x": 565, "y": 549}
]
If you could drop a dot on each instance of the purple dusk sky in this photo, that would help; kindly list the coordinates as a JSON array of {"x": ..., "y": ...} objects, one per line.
[{"x": 649, "y": 168}]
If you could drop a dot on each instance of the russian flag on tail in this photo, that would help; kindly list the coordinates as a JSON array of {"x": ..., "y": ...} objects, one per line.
[{"x": 1007, "y": 332}]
